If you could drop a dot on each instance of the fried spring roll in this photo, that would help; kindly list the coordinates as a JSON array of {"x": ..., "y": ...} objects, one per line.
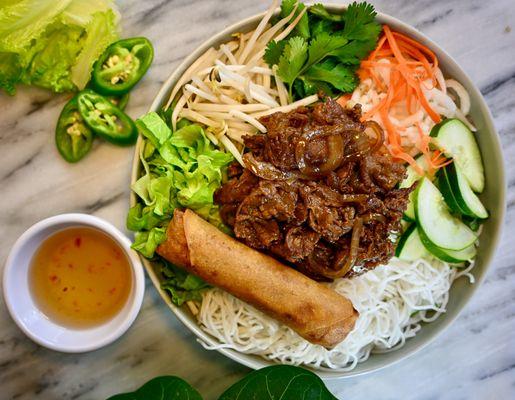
[{"x": 314, "y": 311}]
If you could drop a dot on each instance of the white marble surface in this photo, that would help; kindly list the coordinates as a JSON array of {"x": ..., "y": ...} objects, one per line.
[{"x": 474, "y": 359}]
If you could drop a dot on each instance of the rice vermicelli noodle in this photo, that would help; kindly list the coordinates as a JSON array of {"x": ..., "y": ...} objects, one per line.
[{"x": 393, "y": 300}]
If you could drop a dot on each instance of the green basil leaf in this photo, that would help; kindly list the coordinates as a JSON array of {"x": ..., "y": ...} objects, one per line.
[
  {"x": 282, "y": 382},
  {"x": 161, "y": 388}
]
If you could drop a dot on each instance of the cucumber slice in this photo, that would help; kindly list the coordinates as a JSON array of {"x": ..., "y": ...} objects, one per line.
[
  {"x": 410, "y": 208},
  {"x": 447, "y": 192},
  {"x": 456, "y": 140},
  {"x": 410, "y": 217},
  {"x": 410, "y": 247},
  {"x": 436, "y": 222},
  {"x": 405, "y": 225},
  {"x": 412, "y": 176},
  {"x": 464, "y": 197},
  {"x": 450, "y": 256},
  {"x": 472, "y": 223}
]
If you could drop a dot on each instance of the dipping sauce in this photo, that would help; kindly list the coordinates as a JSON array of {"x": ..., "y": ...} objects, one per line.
[{"x": 80, "y": 277}]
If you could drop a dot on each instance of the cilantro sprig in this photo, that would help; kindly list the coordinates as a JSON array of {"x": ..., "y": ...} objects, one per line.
[{"x": 325, "y": 49}]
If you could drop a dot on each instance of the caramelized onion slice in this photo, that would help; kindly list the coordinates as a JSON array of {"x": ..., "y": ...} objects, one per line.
[
  {"x": 353, "y": 198},
  {"x": 334, "y": 159},
  {"x": 374, "y": 128},
  {"x": 344, "y": 261},
  {"x": 366, "y": 142},
  {"x": 373, "y": 217},
  {"x": 266, "y": 170}
]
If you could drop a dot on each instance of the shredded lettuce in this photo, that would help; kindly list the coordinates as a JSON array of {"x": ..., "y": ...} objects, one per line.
[
  {"x": 181, "y": 286},
  {"x": 53, "y": 43},
  {"x": 180, "y": 169}
]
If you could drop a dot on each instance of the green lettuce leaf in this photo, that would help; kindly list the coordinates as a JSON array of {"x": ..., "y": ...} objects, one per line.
[
  {"x": 146, "y": 242},
  {"x": 154, "y": 128},
  {"x": 10, "y": 71},
  {"x": 25, "y": 20},
  {"x": 49, "y": 67},
  {"x": 181, "y": 285},
  {"x": 142, "y": 218},
  {"x": 53, "y": 44},
  {"x": 180, "y": 169},
  {"x": 80, "y": 12},
  {"x": 100, "y": 32}
]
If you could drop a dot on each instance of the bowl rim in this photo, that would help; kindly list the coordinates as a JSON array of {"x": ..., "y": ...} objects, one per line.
[
  {"x": 255, "y": 361},
  {"x": 133, "y": 302}
]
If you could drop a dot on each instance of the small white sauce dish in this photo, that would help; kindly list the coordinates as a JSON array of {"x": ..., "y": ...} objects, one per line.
[{"x": 33, "y": 322}]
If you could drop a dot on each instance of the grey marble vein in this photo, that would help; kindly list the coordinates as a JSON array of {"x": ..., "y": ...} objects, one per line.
[{"x": 473, "y": 359}]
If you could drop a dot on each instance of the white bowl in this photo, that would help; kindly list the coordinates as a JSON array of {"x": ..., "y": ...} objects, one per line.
[
  {"x": 37, "y": 325},
  {"x": 493, "y": 198}
]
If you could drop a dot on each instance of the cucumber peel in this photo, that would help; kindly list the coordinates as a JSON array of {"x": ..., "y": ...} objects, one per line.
[
  {"x": 410, "y": 247},
  {"x": 457, "y": 141},
  {"x": 464, "y": 197},
  {"x": 450, "y": 256},
  {"x": 436, "y": 222},
  {"x": 412, "y": 176}
]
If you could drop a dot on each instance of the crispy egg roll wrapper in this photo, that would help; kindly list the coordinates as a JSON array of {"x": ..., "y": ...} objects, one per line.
[{"x": 314, "y": 311}]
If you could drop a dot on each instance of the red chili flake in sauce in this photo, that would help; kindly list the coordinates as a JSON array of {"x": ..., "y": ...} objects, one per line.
[
  {"x": 65, "y": 289},
  {"x": 70, "y": 266},
  {"x": 53, "y": 278},
  {"x": 112, "y": 290},
  {"x": 78, "y": 241}
]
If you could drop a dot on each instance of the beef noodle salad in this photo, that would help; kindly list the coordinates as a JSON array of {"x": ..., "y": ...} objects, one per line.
[{"x": 310, "y": 189}]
